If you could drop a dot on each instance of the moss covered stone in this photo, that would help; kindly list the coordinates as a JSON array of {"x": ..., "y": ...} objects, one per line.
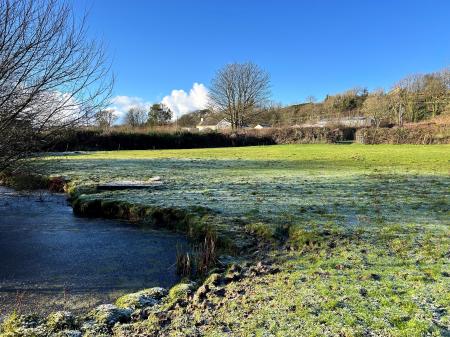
[
  {"x": 22, "y": 326},
  {"x": 142, "y": 299},
  {"x": 179, "y": 291},
  {"x": 93, "y": 329},
  {"x": 214, "y": 279},
  {"x": 61, "y": 320},
  {"x": 109, "y": 314}
]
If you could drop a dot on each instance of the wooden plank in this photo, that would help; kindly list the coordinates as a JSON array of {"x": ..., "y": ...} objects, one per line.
[{"x": 153, "y": 183}]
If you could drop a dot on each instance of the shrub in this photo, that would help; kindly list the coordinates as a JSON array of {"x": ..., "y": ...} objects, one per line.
[
  {"x": 91, "y": 140},
  {"x": 24, "y": 181},
  {"x": 428, "y": 134},
  {"x": 307, "y": 135}
]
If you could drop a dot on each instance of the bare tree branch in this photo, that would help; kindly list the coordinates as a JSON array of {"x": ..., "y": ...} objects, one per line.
[
  {"x": 52, "y": 76},
  {"x": 239, "y": 91}
]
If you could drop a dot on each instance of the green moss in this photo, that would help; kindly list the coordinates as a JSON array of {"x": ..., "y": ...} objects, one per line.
[
  {"x": 151, "y": 325},
  {"x": 262, "y": 230},
  {"x": 61, "y": 320},
  {"x": 141, "y": 299},
  {"x": 109, "y": 315},
  {"x": 302, "y": 238},
  {"x": 180, "y": 291},
  {"x": 213, "y": 279},
  {"x": 10, "y": 325},
  {"x": 15, "y": 325}
]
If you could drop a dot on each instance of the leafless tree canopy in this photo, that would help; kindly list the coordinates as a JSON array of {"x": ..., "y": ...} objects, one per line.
[
  {"x": 239, "y": 91},
  {"x": 51, "y": 75},
  {"x": 420, "y": 96},
  {"x": 105, "y": 119},
  {"x": 136, "y": 116},
  {"x": 379, "y": 106}
]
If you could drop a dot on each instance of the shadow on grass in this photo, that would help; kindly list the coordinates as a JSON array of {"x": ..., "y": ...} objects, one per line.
[{"x": 301, "y": 191}]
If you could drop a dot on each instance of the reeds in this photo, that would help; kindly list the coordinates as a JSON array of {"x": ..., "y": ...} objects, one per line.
[{"x": 200, "y": 259}]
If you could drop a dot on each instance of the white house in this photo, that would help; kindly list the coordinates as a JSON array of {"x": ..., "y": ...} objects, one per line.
[
  {"x": 262, "y": 126},
  {"x": 211, "y": 123},
  {"x": 223, "y": 124}
]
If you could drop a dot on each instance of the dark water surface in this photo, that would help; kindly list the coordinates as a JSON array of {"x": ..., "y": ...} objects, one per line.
[{"x": 49, "y": 258}]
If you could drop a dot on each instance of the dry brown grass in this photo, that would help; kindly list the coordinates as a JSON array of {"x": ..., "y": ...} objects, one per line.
[{"x": 441, "y": 120}]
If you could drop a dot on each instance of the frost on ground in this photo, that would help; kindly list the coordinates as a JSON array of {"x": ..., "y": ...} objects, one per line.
[{"x": 365, "y": 234}]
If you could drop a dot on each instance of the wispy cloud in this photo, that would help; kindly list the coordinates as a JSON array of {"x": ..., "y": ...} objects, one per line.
[{"x": 181, "y": 102}]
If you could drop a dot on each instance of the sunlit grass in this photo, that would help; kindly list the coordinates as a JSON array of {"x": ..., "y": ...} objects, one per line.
[
  {"x": 415, "y": 158},
  {"x": 368, "y": 228}
]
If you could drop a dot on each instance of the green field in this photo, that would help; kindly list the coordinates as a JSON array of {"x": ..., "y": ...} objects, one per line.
[
  {"x": 280, "y": 183},
  {"x": 361, "y": 233}
]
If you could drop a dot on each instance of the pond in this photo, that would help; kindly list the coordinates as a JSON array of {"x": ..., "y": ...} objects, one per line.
[{"x": 52, "y": 260}]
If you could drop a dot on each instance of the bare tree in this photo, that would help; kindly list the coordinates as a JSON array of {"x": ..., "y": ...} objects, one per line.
[
  {"x": 239, "y": 90},
  {"x": 436, "y": 92},
  {"x": 105, "y": 118},
  {"x": 378, "y": 106},
  {"x": 311, "y": 99},
  {"x": 51, "y": 75},
  {"x": 408, "y": 92},
  {"x": 136, "y": 116}
]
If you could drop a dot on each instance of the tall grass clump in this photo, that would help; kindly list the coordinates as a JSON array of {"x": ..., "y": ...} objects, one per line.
[
  {"x": 200, "y": 259},
  {"x": 206, "y": 256},
  {"x": 183, "y": 262}
]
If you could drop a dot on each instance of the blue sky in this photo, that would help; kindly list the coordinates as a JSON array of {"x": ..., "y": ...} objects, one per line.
[{"x": 308, "y": 47}]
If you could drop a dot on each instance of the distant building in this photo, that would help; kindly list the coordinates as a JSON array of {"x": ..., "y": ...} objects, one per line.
[
  {"x": 188, "y": 129},
  {"x": 223, "y": 124},
  {"x": 319, "y": 124},
  {"x": 351, "y": 122},
  {"x": 211, "y": 123},
  {"x": 262, "y": 126},
  {"x": 357, "y": 121}
]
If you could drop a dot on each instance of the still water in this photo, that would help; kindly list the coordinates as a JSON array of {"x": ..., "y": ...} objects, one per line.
[{"x": 51, "y": 259}]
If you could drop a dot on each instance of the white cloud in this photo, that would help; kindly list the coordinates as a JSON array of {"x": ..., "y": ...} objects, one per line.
[
  {"x": 55, "y": 108},
  {"x": 121, "y": 104},
  {"x": 181, "y": 102}
]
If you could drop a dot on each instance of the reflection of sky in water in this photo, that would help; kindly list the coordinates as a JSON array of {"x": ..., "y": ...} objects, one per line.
[{"x": 43, "y": 246}]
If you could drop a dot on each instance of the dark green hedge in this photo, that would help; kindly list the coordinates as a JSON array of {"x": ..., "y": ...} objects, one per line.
[{"x": 91, "y": 140}]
